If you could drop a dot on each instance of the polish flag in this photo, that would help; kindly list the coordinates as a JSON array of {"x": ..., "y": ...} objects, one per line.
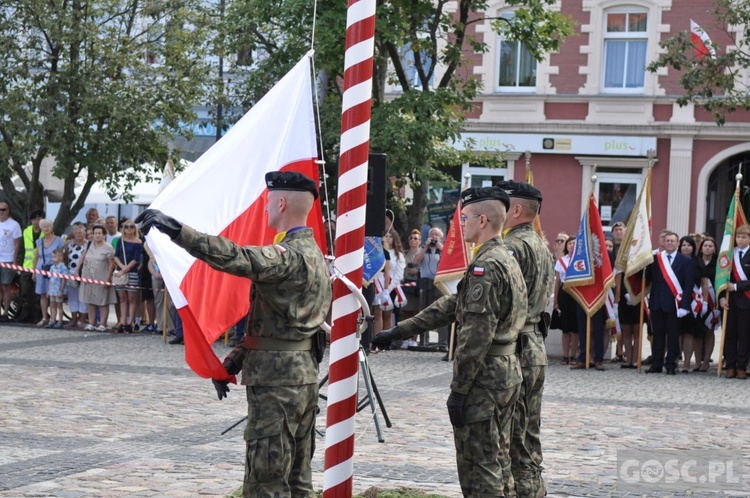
[
  {"x": 701, "y": 41},
  {"x": 224, "y": 193}
]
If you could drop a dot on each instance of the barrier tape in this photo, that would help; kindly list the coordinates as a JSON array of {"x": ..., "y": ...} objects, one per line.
[{"x": 71, "y": 277}]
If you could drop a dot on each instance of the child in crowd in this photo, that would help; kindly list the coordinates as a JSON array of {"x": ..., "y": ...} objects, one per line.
[{"x": 57, "y": 287}]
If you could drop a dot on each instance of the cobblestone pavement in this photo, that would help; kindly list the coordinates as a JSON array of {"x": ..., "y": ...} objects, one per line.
[{"x": 101, "y": 414}]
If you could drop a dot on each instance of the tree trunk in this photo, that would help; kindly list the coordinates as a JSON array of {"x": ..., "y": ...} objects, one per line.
[{"x": 415, "y": 213}]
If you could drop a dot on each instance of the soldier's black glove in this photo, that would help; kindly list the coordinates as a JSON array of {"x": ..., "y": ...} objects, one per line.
[
  {"x": 153, "y": 218},
  {"x": 231, "y": 367},
  {"x": 222, "y": 388},
  {"x": 386, "y": 337},
  {"x": 456, "y": 408}
]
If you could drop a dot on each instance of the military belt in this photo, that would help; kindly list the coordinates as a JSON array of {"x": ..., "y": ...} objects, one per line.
[
  {"x": 530, "y": 327},
  {"x": 272, "y": 344},
  {"x": 502, "y": 349}
]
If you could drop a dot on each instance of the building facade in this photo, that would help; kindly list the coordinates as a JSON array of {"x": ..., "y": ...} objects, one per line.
[{"x": 593, "y": 105}]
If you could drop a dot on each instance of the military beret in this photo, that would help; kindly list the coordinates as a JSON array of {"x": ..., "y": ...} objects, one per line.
[
  {"x": 477, "y": 194},
  {"x": 520, "y": 189},
  {"x": 290, "y": 180}
]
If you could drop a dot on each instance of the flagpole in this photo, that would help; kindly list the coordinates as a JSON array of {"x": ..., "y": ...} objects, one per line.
[
  {"x": 588, "y": 341},
  {"x": 640, "y": 319},
  {"x": 349, "y": 245},
  {"x": 723, "y": 335}
]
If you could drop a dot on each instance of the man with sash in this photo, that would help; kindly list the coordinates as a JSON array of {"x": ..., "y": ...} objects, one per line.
[
  {"x": 672, "y": 277},
  {"x": 737, "y": 341}
]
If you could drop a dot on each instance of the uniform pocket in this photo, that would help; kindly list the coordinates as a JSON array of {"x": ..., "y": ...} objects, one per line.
[{"x": 265, "y": 450}]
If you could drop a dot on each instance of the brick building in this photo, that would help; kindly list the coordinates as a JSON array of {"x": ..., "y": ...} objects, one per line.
[{"x": 593, "y": 103}]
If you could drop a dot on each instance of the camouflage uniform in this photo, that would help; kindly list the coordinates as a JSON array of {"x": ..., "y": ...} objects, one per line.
[
  {"x": 490, "y": 309},
  {"x": 289, "y": 299},
  {"x": 537, "y": 265}
]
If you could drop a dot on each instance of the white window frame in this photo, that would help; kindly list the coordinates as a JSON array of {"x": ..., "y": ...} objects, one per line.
[
  {"x": 626, "y": 36},
  {"x": 515, "y": 88}
]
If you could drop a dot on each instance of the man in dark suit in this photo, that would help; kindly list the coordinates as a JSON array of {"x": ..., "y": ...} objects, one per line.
[
  {"x": 737, "y": 341},
  {"x": 671, "y": 276}
]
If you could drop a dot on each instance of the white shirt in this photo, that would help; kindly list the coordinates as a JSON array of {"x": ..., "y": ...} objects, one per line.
[
  {"x": 398, "y": 265},
  {"x": 110, "y": 238},
  {"x": 10, "y": 230}
]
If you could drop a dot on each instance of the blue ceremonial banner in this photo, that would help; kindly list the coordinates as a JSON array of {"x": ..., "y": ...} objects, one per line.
[
  {"x": 374, "y": 258},
  {"x": 580, "y": 270}
]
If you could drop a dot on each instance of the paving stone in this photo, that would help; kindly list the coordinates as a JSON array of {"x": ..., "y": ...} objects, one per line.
[{"x": 112, "y": 415}]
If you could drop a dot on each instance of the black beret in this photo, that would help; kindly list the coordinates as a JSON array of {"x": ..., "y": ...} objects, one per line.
[
  {"x": 521, "y": 189},
  {"x": 290, "y": 180},
  {"x": 477, "y": 194}
]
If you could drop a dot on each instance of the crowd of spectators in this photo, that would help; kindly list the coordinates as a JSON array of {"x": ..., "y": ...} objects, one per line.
[
  {"x": 696, "y": 327},
  {"x": 100, "y": 250}
]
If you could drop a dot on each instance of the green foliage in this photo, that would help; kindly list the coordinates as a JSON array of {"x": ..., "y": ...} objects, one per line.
[
  {"x": 415, "y": 128},
  {"x": 712, "y": 82},
  {"x": 99, "y": 85}
]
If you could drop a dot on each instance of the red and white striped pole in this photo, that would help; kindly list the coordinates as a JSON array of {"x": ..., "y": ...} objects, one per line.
[{"x": 350, "y": 239}]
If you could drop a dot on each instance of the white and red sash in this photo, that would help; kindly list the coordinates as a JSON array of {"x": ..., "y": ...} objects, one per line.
[
  {"x": 611, "y": 306},
  {"x": 714, "y": 315},
  {"x": 698, "y": 305},
  {"x": 382, "y": 296},
  {"x": 563, "y": 264},
  {"x": 739, "y": 273},
  {"x": 670, "y": 277}
]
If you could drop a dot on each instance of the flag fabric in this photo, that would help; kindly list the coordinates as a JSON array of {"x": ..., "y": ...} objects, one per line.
[
  {"x": 167, "y": 176},
  {"x": 735, "y": 218},
  {"x": 589, "y": 276},
  {"x": 454, "y": 258},
  {"x": 636, "y": 252},
  {"x": 224, "y": 194},
  {"x": 701, "y": 41},
  {"x": 537, "y": 219}
]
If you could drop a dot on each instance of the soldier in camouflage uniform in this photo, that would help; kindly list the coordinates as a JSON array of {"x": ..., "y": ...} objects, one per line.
[
  {"x": 537, "y": 266},
  {"x": 490, "y": 309},
  {"x": 290, "y": 297}
]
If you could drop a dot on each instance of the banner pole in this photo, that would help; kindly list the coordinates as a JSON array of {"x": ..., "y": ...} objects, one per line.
[
  {"x": 350, "y": 236},
  {"x": 723, "y": 336},
  {"x": 640, "y": 318},
  {"x": 588, "y": 341}
]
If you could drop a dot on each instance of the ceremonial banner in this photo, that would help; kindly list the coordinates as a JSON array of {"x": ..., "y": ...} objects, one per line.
[
  {"x": 735, "y": 218},
  {"x": 454, "y": 258},
  {"x": 701, "y": 41},
  {"x": 589, "y": 274},
  {"x": 636, "y": 252},
  {"x": 223, "y": 193},
  {"x": 374, "y": 258}
]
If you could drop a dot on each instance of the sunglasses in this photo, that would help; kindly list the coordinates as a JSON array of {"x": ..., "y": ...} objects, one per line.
[
  {"x": 129, "y": 226},
  {"x": 559, "y": 240}
]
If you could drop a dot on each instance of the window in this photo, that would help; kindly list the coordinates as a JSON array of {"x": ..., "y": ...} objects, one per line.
[
  {"x": 410, "y": 67},
  {"x": 625, "y": 43},
  {"x": 516, "y": 66}
]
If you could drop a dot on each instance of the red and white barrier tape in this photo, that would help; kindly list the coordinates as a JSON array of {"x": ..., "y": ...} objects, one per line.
[{"x": 68, "y": 277}]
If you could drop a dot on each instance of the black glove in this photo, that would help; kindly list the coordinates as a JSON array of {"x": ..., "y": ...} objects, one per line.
[
  {"x": 386, "y": 337},
  {"x": 153, "y": 218},
  {"x": 456, "y": 408},
  {"x": 222, "y": 388},
  {"x": 231, "y": 367}
]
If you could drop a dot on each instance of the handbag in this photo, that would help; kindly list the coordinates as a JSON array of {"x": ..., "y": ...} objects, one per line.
[
  {"x": 124, "y": 278},
  {"x": 45, "y": 266}
]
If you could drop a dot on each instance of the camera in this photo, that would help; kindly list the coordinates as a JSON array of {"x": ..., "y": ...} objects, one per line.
[{"x": 433, "y": 242}]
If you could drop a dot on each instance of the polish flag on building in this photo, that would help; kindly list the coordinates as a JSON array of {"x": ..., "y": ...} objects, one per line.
[
  {"x": 224, "y": 193},
  {"x": 701, "y": 41}
]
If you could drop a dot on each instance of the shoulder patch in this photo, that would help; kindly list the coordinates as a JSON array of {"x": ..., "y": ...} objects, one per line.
[
  {"x": 269, "y": 252},
  {"x": 476, "y": 292},
  {"x": 478, "y": 271}
]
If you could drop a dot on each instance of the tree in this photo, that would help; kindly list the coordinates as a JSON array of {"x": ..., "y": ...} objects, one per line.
[
  {"x": 98, "y": 85},
  {"x": 419, "y": 45},
  {"x": 712, "y": 82}
]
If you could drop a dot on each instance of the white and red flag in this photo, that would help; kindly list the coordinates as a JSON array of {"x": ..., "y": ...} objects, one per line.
[
  {"x": 701, "y": 41},
  {"x": 224, "y": 193}
]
